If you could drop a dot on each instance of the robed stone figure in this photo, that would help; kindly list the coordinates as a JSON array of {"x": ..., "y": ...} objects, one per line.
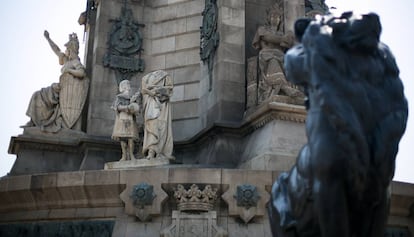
[{"x": 156, "y": 89}]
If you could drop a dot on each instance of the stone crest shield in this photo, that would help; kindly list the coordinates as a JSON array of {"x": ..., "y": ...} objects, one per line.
[{"x": 72, "y": 97}]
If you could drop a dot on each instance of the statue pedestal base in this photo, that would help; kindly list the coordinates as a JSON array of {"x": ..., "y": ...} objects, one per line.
[
  {"x": 136, "y": 163},
  {"x": 277, "y": 137}
]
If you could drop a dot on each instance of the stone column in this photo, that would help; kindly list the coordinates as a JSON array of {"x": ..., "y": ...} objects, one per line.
[
  {"x": 224, "y": 103},
  {"x": 294, "y": 9}
]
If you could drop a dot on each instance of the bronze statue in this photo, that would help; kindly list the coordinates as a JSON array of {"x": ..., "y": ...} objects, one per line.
[{"x": 357, "y": 114}]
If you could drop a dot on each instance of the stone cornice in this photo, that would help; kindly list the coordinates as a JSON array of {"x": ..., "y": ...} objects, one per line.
[
  {"x": 274, "y": 111},
  {"x": 102, "y": 189},
  {"x": 59, "y": 143}
]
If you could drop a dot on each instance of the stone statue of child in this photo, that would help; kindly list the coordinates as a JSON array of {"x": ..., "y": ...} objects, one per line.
[
  {"x": 272, "y": 43},
  {"x": 126, "y": 128}
]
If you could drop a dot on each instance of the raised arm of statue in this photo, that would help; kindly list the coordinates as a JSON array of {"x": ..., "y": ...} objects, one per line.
[{"x": 55, "y": 48}]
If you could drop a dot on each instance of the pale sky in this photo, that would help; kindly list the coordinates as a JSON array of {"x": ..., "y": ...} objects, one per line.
[{"x": 28, "y": 63}]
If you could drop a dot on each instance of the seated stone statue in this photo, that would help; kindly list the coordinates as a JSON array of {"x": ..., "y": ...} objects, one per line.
[
  {"x": 357, "y": 114},
  {"x": 156, "y": 91},
  {"x": 125, "y": 129},
  {"x": 60, "y": 105},
  {"x": 272, "y": 43}
]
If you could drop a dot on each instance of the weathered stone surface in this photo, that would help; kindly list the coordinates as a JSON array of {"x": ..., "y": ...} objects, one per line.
[
  {"x": 136, "y": 163},
  {"x": 156, "y": 62},
  {"x": 274, "y": 146},
  {"x": 230, "y": 52},
  {"x": 188, "y": 74},
  {"x": 168, "y": 28},
  {"x": 186, "y": 41},
  {"x": 232, "y": 16},
  {"x": 182, "y": 58},
  {"x": 294, "y": 9},
  {"x": 194, "y": 176},
  {"x": 178, "y": 93},
  {"x": 190, "y": 8},
  {"x": 163, "y": 45},
  {"x": 187, "y": 109},
  {"x": 189, "y": 224},
  {"x": 191, "y": 91},
  {"x": 70, "y": 188},
  {"x": 193, "y": 23},
  {"x": 104, "y": 187},
  {"x": 184, "y": 129}
]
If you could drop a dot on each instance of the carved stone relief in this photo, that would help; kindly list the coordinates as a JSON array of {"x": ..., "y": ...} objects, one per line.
[
  {"x": 209, "y": 37},
  {"x": 265, "y": 73},
  {"x": 195, "y": 215},
  {"x": 144, "y": 199},
  {"x": 124, "y": 46},
  {"x": 246, "y": 197}
]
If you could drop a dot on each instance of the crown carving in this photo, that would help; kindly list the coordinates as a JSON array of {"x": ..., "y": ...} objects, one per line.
[{"x": 194, "y": 199}]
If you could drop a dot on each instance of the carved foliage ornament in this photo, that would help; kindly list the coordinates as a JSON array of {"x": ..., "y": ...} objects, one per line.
[
  {"x": 124, "y": 46},
  {"x": 209, "y": 37}
]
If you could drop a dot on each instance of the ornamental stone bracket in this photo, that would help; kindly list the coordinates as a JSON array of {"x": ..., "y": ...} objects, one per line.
[
  {"x": 143, "y": 196},
  {"x": 246, "y": 196}
]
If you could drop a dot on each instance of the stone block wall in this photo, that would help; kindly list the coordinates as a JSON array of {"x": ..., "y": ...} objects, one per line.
[
  {"x": 103, "y": 87},
  {"x": 171, "y": 42}
]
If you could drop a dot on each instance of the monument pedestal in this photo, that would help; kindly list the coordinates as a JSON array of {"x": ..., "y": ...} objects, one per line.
[
  {"x": 67, "y": 150},
  {"x": 278, "y": 135}
]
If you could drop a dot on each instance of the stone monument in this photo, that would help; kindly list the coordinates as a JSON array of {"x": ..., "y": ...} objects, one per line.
[
  {"x": 209, "y": 156},
  {"x": 357, "y": 115}
]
